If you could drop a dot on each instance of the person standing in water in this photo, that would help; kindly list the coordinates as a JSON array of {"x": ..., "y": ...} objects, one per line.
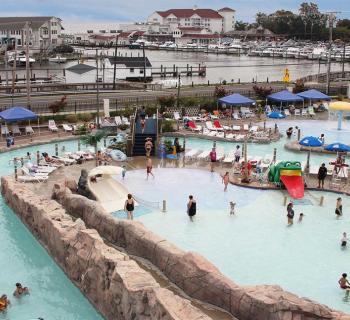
[
  {"x": 191, "y": 207},
  {"x": 344, "y": 240},
  {"x": 343, "y": 282},
  {"x": 123, "y": 172},
  {"x": 301, "y": 216},
  {"x": 339, "y": 208},
  {"x": 149, "y": 168},
  {"x": 129, "y": 206},
  {"x": 226, "y": 180},
  {"x": 290, "y": 213},
  {"x": 212, "y": 156},
  {"x": 148, "y": 146},
  {"x": 321, "y": 175}
]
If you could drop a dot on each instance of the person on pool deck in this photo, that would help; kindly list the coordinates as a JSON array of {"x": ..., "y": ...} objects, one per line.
[
  {"x": 191, "y": 207},
  {"x": 339, "y": 208},
  {"x": 321, "y": 175},
  {"x": 226, "y": 180},
  {"x": 149, "y": 168},
  {"x": 321, "y": 137},
  {"x": 344, "y": 240},
  {"x": 343, "y": 282},
  {"x": 4, "y": 302},
  {"x": 129, "y": 206},
  {"x": 237, "y": 154},
  {"x": 212, "y": 156},
  {"x": 143, "y": 113},
  {"x": 148, "y": 146},
  {"x": 177, "y": 146},
  {"x": 301, "y": 216},
  {"x": 20, "y": 290},
  {"x": 290, "y": 213},
  {"x": 143, "y": 125}
]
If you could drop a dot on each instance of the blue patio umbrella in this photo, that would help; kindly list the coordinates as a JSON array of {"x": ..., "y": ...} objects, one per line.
[
  {"x": 338, "y": 147},
  {"x": 310, "y": 141},
  {"x": 276, "y": 115}
]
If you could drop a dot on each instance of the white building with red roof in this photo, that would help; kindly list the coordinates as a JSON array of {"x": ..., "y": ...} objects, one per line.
[{"x": 219, "y": 21}]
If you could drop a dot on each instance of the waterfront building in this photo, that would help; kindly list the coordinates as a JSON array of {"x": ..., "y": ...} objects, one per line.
[
  {"x": 44, "y": 32},
  {"x": 219, "y": 21},
  {"x": 194, "y": 35}
]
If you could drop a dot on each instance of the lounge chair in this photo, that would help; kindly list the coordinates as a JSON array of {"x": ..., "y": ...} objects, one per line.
[
  {"x": 230, "y": 136},
  {"x": 27, "y": 172},
  {"x": 286, "y": 112},
  {"x": 311, "y": 111},
  {"x": 304, "y": 112},
  {"x": 204, "y": 155},
  {"x": 220, "y": 134},
  {"x": 245, "y": 127},
  {"x": 32, "y": 178},
  {"x": 218, "y": 125},
  {"x": 4, "y": 130},
  {"x": 211, "y": 133},
  {"x": 52, "y": 125},
  {"x": 254, "y": 129},
  {"x": 64, "y": 160},
  {"x": 214, "y": 116},
  {"x": 297, "y": 112},
  {"x": 126, "y": 121},
  {"x": 220, "y": 153},
  {"x": 67, "y": 127},
  {"x": 29, "y": 130},
  {"x": 177, "y": 116},
  {"x": 236, "y": 128},
  {"x": 236, "y": 116},
  {"x": 230, "y": 158},
  {"x": 192, "y": 125},
  {"x": 15, "y": 129},
  {"x": 118, "y": 120},
  {"x": 39, "y": 169},
  {"x": 210, "y": 126}
]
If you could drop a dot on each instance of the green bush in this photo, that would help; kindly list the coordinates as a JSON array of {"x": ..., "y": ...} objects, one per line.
[
  {"x": 168, "y": 126},
  {"x": 71, "y": 118},
  {"x": 81, "y": 130},
  {"x": 85, "y": 117}
]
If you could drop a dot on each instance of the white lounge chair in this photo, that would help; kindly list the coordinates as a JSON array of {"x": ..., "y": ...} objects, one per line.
[
  {"x": 236, "y": 128},
  {"x": 192, "y": 153},
  {"x": 177, "y": 116},
  {"x": 52, "y": 125},
  {"x": 4, "y": 129},
  {"x": 204, "y": 155},
  {"x": 29, "y": 130},
  {"x": 15, "y": 129},
  {"x": 254, "y": 129},
  {"x": 39, "y": 169},
  {"x": 236, "y": 116},
  {"x": 230, "y": 158},
  {"x": 245, "y": 127},
  {"x": 210, "y": 126},
  {"x": 286, "y": 112},
  {"x": 118, "y": 120},
  {"x": 27, "y": 172},
  {"x": 32, "y": 178},
  {"x": 67, "y": 127},
  {"x": 304, "y": 112},
  {"x": 220, "y": 153},
  {"x": 230, "y": 136},
  {"x": 126, "y": 121},
  {"x": 311, "y": 111},
  {"x": 211, "y": 133},
  {"x": 64, "y": 160},
  {"x": 220, "y": 134},
  {"x": 297, "y": 112}
]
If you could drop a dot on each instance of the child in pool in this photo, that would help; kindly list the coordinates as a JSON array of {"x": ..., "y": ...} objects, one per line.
[{"x": 232, "y": 207}]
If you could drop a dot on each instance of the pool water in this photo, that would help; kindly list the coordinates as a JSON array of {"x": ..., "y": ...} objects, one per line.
[
  {"x": 254, "y": 246},
  {"x": 22, "y": 259}
]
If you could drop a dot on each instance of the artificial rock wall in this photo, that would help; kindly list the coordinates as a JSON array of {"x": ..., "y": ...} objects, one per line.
[
  {"x": 191, "y": 272},
  {"x": 116, "y": 285}
]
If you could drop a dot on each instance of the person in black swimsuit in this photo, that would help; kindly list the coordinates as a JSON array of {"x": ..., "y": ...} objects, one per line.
[
  {"x": 129, "y": 207},
  {"x": 191, "y": 207}
]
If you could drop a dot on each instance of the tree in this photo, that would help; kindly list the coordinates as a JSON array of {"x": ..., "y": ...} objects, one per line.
[
  {"x": 93, "y": 138},
  {"x": 241, "y": 26},
  {"x": 310, "y": 16},
  {"x": 220, "y": 92},
  {"x": 58, "y": 106},
  {"x": 261, "y": 18},
  {"x": 344, "y": 23},
  {"x": 262, "y": 92}
]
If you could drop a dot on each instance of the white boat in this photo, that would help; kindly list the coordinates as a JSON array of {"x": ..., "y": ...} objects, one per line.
[
  {"x": 20, "y": 59},
  {"x": 58, "y": 59},
  {"x": 316, "y": 53},
  {"x": 277, "y": 52},
  {"x": 291, "y": 52}
]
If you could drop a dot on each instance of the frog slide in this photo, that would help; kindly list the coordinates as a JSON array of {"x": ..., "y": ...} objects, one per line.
[{"x": 290, "y": 174}]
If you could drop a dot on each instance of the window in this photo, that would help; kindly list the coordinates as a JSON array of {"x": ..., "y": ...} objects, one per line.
[
  {"x": 113, "y": 31},
  {"x": 53, "y": 31},
  {"x": 141, "y": 71},
  {"x": 132, "y": 70}
]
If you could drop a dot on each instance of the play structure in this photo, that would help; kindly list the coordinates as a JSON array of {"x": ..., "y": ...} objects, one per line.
[
  {"x": 340, "y": 107},
  {"x": 290, "y": 174},
  {"x": 108, "y": 191}
]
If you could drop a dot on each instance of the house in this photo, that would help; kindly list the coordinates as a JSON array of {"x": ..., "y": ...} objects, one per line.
[
  {"x": 219, "y": 21},
  {"x": 132, "y": 68},
  {"x": 44, "y": 32},
  {"x": 194, "y": 35}
]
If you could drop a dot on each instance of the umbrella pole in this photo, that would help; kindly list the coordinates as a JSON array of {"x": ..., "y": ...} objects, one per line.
[
  {"x": 39, "y": 125},
  {"x": 307, "y": 167}
]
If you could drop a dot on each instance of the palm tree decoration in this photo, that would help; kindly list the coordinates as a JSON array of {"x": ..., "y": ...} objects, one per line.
[{"x": 93, "y": 139}]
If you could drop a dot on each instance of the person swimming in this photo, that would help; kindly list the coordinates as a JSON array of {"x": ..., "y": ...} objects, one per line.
[
  {"x": 20, "y": 290},
  {"x": 343, "y": 282},
  {"x": 301, "y": 216},
  {"x": 344, "y": 240},
  {"x": 4, "y": 302},
  {"x": 232, "y": 207}
]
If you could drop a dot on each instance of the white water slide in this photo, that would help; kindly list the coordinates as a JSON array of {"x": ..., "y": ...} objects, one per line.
[{"x": 108, "y": 192}]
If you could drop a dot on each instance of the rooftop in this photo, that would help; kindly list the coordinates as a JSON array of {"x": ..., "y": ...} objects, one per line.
[
  {"x": 187, "y": 13},
  {"x": 131, "y": 62},
  {"x": 226, "y": 9}
]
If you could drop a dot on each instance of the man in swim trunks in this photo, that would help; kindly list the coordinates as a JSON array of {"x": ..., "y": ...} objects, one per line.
[
  {"x": 212, "y": 156},
  {"x": 343, "y": 282},
  {"x": 20, "y": 290},
  {"x": 226, "y": 180},
  {"x": 148, "y": 147}
]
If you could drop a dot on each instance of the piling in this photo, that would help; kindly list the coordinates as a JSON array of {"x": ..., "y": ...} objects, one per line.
[
  {"x": 299, "y": 134},
  {"x": 321, "y": 200},
  {"x": 214, "y": 144},
  {"x": 15, "y": 167},
  {"x": 274, "y": 155},
  {"x": 37, "y": 157},
  {"x": 285, "y": 200},
  {"x": 78, "y": 145},
  {"x": 164, "y": 206},
  {"x": 56, "y": 149}
]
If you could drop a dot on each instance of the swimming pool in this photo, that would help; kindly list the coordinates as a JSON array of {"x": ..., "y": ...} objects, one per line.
[
  {"x": 23, "y": 259},
  {"x": 254, "y": 246}
]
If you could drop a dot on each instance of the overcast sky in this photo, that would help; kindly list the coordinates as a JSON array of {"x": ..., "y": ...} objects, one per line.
[{"x": 72, "y": 11}]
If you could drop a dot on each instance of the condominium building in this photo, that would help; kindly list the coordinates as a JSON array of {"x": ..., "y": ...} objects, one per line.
[
  {"x": 44, "y": 32},
  {"x": 219, "y": 21}
]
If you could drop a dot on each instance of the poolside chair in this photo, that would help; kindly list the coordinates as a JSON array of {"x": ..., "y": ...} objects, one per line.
[
  {"x": 4, "y": 129},
  {"x": 236, "y": 116},
  {"x": 192, "y": 125},
  {"x": 254, "y": 129},
  {"x": 311, "y": 111},
  {"x": 230, "y": 158},
  {"x": 220, "y": 153},
  {"x": 118, "y": 120},
  {"x": 39, "y": 169},
  {"x": 211, "y": 133},
  {"x": 214, "y": 116},
  {"x": 218, "y": 125},
  {"x": 210, "y": 126},
  {"x": 67, "y": 127},
  {"x": 32, "y": 178},
  {"x": 297, "y": 112},
  {"x": 236, "y": 128},
  {"x": 177, "y": 116},
  {"x": 52, "y": 125},
  {"x": 204, "y": 155},
  {"x": 286, "y": 112},
  {"x": 15, "y": 129},
  {"x": 126, "y": 121},
  {"x": 245, "y": 127},
  {"x": 29, "y": 130},
  {"x": 27, "y": 172},
  {"x": 304, "y": 112},
  {"x": 220, "y": 134},
  {"x": 64, "y": 160}
]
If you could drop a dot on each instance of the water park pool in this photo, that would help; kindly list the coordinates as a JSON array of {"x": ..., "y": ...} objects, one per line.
[
  {"x": 254, "y": 246},
  {"x": 23, "y": 259}
]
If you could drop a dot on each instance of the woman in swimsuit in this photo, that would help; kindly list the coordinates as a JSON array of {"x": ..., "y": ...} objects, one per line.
[
  {"x": 191, "y": 207},
  {"x": 225, "y": 180},
  {"x": 339, "y": 208},
  {"x": 129, "y": 207}
]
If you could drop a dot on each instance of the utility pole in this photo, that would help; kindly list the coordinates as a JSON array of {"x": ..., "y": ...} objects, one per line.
[
  {"x": 14, "y": 73},
  {"x": 6, "y": 66},
  {"x": 144, "y": 62},
  {"x": 331, "y": 19},
  {"x": 115, "y": 62},
  {"x": 97, "y": 92},
  {"x": 27, "y": 65}
]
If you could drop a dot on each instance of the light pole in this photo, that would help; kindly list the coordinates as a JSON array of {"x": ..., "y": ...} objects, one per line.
[
  {"x": 331, "y": 19},
  {"x": 27, "y": 65},
  {"x": 97, "y": 92},
  {"x": 115, "y": 61}
]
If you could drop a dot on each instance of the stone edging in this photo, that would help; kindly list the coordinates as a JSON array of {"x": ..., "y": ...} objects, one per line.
[
  {"x": 196, "y": 276},
  {"x": 112, "y": 282}
]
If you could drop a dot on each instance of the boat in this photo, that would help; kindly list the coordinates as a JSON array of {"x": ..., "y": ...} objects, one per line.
[
  {"x": 134, "y": 45},
  {"x": 291, "y": 52},
  {"x": 21, "y": 59},
  {"x": 316, "y": 53},
  {"x": 58, "y": 59}
]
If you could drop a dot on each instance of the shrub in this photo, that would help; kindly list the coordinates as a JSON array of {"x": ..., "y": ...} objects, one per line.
[
  {"x": 299, "y": 86},
  {"x": 58, "y": 106},
  {"x": 71, "y": 118},
  {"x": 189, "y": 101},
  {"x": 64, "y": 48},
  {"x": 167, "y": 101},
  {"x": 261, "y": 91},
  {"x": 123, "y": 127},
  {"x": 168, "y": 126},
  {"x": 220, "y": 92},
  {"x": 85, "y": 117},
  {"x": 81, "y": 130}
]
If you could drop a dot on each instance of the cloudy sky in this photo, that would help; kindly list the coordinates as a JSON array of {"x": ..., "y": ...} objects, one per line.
[{"x": 73, "y": 11}]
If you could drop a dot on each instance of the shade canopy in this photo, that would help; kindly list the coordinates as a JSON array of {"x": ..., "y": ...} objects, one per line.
[
  {"x": 338, "y": 147},
  {"x": 106, "y": 170},
  {"x": 236, "y": 99},
  {"x": 311, "y": 142},
  {"x": 285, "y": 96},
  {"x": 340, "y": 106},
  {"x": 276, "y": 115},
  {"x": 313, "y": 94},
  {"x": 17, "y": 114}
]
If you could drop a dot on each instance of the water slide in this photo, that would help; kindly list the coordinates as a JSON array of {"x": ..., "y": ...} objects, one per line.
[
  {"x": 108, "y": 192},
  {"x": 294, "y": 186}
]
